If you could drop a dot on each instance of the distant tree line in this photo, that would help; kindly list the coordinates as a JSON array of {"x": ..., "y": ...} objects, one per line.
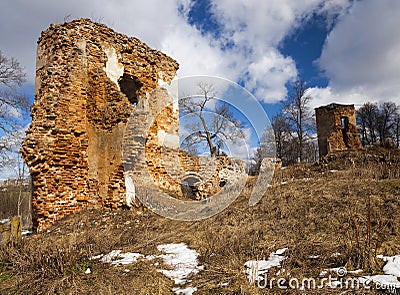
[
  {"x": 294, "y": 131},
  {"x": 379, "y": 123}
]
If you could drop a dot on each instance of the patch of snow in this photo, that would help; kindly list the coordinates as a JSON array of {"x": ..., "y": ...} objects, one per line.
[
  {"x": 357, "y": 271},
  {"x": 97, "y": 256},
  {"x": 337, "y": 254},
  {"x": 313, "y": 256},
  {"x": 182, "y": 259},
  {"x": 127, "y": 258},
  {"x": 88, "y": 271},
  {"x": 26, "y": 232},
  {"x": 256, "y": 268},
  {"x": 151, "y": 257},
  {"x": 333, "y": 171},
  {"x": 392, "y": 266},
  {"x": 115, "y": 257},
  {"x": 108, "y": 257},
  {"x": 280, "y": 251},
  {"x": 184, "y": 291},
  {"x": 4, "y": 221},
  {"x": 387, "y": 281}
]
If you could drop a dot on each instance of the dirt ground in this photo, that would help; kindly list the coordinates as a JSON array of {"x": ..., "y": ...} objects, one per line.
[{"x": 347, "y": 204}]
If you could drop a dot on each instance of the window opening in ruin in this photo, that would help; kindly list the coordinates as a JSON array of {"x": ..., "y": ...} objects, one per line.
[
  {"x": 130, "y": 86},
  {"x": 189, "y": 186},
  {"x": 345, "y": 128}
]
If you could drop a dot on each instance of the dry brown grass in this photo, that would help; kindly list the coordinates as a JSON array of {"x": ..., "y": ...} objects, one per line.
[
  {"x": 316, "y": 212},
  {"x": 12, "y": 197}
]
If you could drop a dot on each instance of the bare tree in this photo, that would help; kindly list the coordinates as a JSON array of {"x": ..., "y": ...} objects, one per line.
[
  {"x": 386, "y": 120},
  {"x": 379, "y": 123},
  {"x": 281, "y": 132},
  {"x": 266, "y": 149},
  {"x": 13, "y": 106},
  {"x": 367, "y": 116},
  {"x": 297, "y": 112},
  {"x": 11, "y": 72},
  {"x": 211, "y": 126},
  {"x": 396, "y": 129}
]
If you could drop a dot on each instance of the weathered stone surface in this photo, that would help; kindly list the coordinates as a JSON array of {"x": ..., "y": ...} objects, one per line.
[
  {"x": 336, "y": 128},
  {"x": 102, "y": 101},
  {"x": 88, "y": 81}
]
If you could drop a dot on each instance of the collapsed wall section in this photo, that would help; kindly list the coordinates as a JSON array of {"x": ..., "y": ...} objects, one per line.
[{"x": 89, "y": 79}]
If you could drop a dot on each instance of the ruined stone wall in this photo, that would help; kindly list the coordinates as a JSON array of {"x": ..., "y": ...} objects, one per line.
[
  {"x": 170, "y": 170},
  {"x": 105, "y": 113},
  {"x": 88, "y": 81},
  {"x": 336, "y": 128},
  {"x": 151, "y": 146}
]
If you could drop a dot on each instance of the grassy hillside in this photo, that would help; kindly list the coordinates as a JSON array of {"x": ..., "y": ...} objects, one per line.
[{"x": 339, "y": 213}]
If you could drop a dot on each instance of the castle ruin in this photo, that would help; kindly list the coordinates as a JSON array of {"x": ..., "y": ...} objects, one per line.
[
  {"x": 89, "y": 80},
  {"x": 336, "y": 128}
]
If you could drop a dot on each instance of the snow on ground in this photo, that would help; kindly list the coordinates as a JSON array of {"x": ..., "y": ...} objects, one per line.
[
  {"x": 184, "y": 291},
  {"x": 182, "y": 260},
  {"x": 386, "y": 281},
  {"x": 115, "y": 257},
  {"x": 256, "y": 269},
  {"x": 184, "y": 263},
  {"x": 392, "y": 266},
  {"x": 392, "y": 271},
  {"x": 26, "y": 232}
]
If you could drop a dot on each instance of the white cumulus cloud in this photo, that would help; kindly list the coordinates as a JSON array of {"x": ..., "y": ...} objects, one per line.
[{"x": 361, "y": 55}]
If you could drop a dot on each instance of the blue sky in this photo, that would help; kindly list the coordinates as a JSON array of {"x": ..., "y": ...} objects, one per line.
[
  {"x": 304, "y": 44},
  {"x": 346, "y": 50}
]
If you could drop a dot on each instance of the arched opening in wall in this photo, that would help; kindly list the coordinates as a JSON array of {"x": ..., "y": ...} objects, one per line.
[
  {"x": 130, "y": 86},
  {"x": 345, "y": 129},
  {"x": 190, "y": 185}
]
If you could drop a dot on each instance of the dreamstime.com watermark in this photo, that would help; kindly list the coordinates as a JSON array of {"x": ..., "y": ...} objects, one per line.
[{"x": 341, "y": 281}]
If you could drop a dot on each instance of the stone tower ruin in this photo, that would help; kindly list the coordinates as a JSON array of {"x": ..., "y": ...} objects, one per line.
[
  {"x": 91, "y": 83},
  {"x": 336, "y": 128},
  {"x": 88, "y": 80}
]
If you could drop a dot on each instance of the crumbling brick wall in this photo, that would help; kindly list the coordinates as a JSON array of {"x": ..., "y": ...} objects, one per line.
[
  {"x": 151, "y": 146},
  {"x": 88, "y": 81},
  {"x": 336, "y": 128}
]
